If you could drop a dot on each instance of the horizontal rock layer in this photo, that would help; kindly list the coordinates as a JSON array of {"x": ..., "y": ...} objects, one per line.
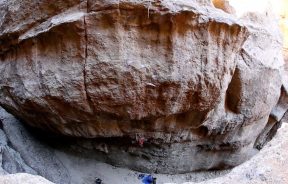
[
  {"x": 269, "y": 166},
  {"x": 194, "y": 82}
]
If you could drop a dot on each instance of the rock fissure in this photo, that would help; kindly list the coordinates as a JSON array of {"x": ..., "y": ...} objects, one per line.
[{"x": 84, "y": 68}]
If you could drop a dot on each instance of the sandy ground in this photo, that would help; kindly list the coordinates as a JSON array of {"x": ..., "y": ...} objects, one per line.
[{"x": 84, "y": 171}]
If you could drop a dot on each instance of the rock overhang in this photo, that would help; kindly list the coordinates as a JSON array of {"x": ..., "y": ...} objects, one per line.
[{"x": 178, "y": 73}]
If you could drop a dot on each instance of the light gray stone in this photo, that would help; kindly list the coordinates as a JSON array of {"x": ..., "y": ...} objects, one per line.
[
  {"x": 23, "y": 152},
  {"x": 23, "y": 178}
]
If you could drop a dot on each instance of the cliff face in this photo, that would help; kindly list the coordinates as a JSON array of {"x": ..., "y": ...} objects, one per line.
[{"x": 192, "y": 81}]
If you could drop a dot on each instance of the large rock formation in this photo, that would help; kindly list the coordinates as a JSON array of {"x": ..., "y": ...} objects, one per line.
[
  {"x": 197, "y": 84},
  {"x": 269, "y": 166}
]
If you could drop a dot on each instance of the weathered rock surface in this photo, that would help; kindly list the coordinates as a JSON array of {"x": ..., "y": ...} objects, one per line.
[
  {"x": 67, "y": 161},
  {"x": 22, "y": 152},
  {"x": 196, "y": 83},
  {"x": 267, "y": 167}
]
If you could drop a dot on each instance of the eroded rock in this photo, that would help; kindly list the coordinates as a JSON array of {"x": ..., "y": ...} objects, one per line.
[
  {"x": 194, "y": 82},
  {"x": 269, "y": 166}
]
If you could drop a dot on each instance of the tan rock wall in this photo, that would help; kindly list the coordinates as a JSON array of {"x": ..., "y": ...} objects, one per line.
[{"x": 190, "y": 79}]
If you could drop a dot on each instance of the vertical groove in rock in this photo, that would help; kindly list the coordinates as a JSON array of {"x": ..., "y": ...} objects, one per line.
[{"x": 85, "y": 63}]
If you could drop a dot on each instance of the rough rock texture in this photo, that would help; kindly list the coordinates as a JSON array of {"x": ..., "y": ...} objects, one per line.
[
  {"x": 285, "y": 97},
  {"x": 22, "y": 152},
  {"x": 116, "y": 73},
  {"x": 194, "y": 82},
  {"x": 67, "y": 161},
  {"x": 283, "y": 20},
  {"x": 267, "y": 167}
]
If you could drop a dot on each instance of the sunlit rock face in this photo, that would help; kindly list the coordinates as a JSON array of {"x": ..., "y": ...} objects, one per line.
[
  {"x": 276, "y": 7},
  {"x": 277, "y": 11},
  {"x": 283, "y": 16},
  {"x": 199, "y": 85},
  {"x": 283, "y": 13}
]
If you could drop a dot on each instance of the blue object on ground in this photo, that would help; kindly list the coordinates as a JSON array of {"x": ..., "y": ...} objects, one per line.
[{"x": 147, "y": 179}]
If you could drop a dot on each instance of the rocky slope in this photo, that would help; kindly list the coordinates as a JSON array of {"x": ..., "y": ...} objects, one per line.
[{"x": 192, "y": 81}]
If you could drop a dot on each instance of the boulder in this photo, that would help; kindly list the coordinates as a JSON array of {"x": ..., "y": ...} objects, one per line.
[
  {"x": 182, "y": 77},
  {"x": 268, "y": 166}
]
